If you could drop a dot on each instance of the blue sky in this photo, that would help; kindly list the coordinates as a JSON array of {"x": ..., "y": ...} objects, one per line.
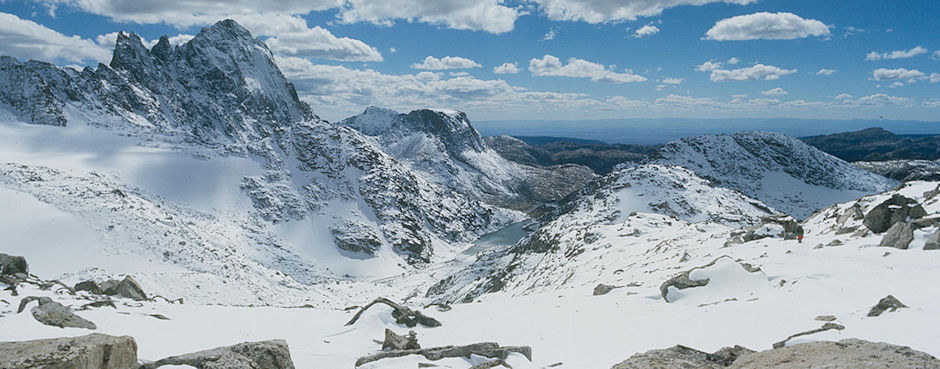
[{"x": 568, "y": 59}]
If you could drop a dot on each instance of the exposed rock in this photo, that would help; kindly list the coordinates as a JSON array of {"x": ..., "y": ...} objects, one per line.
[
  {"x": 485, "y": 349},
  {"x": 889, "y": 303},
  {"x": 682, "y": 357},
  {"x": 401, "y": 313},
  {"x": 603, "y": 289},
  {"x": 273, "y": 354},
  {"x": 94, "y": 351},
  {"x": 734, "y": 240},
  {"x": 11, "y": 265},
  {"x": 933, "y": 241},
  {"x": 727, "y": 355},
  {"x": 826, "y": 318},
  {"x": 835, "y": 242},
  {"x": 926, "y": 222},
  {"x": 845, "y": 354},
  {"x": 90, "y": 286},
  {"x": 932, "y": 193},
  {"x": 898, "y": 236},
  {"x": 355, "y": 237},
  {"x": 683, "y": 281},
  {"x": 128, "y": 288},
  {"x": 825, "y": 327},
  {"x": 491, "y": 364},
  {"x": 395, "y": 341},
  {"x": 55, "y": 314},
  {"x": 772, "y": 226},
  {"x": 896, "y": 209}
]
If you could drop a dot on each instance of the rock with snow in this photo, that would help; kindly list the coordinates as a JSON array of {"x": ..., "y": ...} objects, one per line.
[
  {"x": 933, "y": 242},
  {"x": 90, "y": 286},
  {"x": 93, "y": 351},
  {"x": 485, "y": 349},
  {"x": 127, "y": 288},
  {"x": 682, "y": 357},
  {"x": 825, "y": 327},
  {"x": 724, "y": 268},
  {"x": 355, "y": 237},
  {"x": 54, "y": 314},
  {"x": 904, "y": 170},
  {"x": 781, "y": 171},
  {"x": 844, "y": 354},
  {"x": 395, "y": 341},
  {"x": 896, "y": 209},
  {"x": 898, "y": 236},
  {"x": 603, "y": 289},
  {"x": 12, "y": 265},
  {"x": 889, "y": 304},
  {"x": 272, "y": 354}
]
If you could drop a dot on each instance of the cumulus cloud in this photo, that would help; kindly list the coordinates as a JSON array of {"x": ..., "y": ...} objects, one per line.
[
  {"x": 672, "y": 81},
  {"x": 766, "y": 26},
  {"x": 318, "y": 42},
  {"x": 708, "y": 66},
  {"x": 646, "y": 30},
  {"x": 899, "y": 74},
  {"x": 550, "y": 35},
  {"x": 733, "y": 61},
  {"x": 23, "y": 38},
  {"x": 506, "y": 68},
  {"x": 843, "y": 96},
  {"x": 896, "y": 54},
  {"x": 550, "y": 65},
  {"x": 776, "y": 91},
  {"x": 478, "y": 15},
  {"x": 825, "y": 72},
  {"x": 447, "y": 62},
  {"x": 754, "y": 72},
  {"x": 603, "y": 11}
]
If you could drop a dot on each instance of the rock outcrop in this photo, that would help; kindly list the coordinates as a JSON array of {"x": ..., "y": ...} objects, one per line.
[
  {"x": 684, "y": 280},
  {"x": 395, "y": 341},
  {"x": 54, "y": 314},
  {"x": 273, "y": 354},
  {"x": 889, "y": 303},
  {"x": 682, "y": 357},
  {"x": 94, "y": 351},
  {"x": 11, "y": 265},
  {"x": 402, "y": 314},
  {"x": 933, "y": 241},
  {"x": 898, "y": 236},
  {"x": 485, "y": 349},
  {"x": 894, "y": 210}
]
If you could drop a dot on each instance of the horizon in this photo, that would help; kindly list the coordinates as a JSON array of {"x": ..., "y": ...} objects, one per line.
[{"x": 537, "y": 60}]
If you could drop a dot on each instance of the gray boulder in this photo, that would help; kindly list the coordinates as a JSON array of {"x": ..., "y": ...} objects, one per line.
[
  {"x": 889, "y": 303},
  {"x": 898, "y": 236},
  {"x": 12, "y": 265},
  {"x": 94, "y": 351},
  {"x": 128, "y": 288},
  {"x": 395, "y": 341},
  {"x": 90, "y": 286},
  {"x": 682, "y": 357},
  {"x": 273, "y": 354},
  {"x": 845, "y": 354},
  {"x": 933, "y": 241},
  {"x": 52, "y": 313},
  {"x": 896, "y": 209},
  {"x": 603, "y": 289},
  {"x": 683, "y": 280}
]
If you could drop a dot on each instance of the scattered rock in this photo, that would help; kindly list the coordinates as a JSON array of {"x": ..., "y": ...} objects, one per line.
[
  {"x": 826, "y": 318},
  {"x": 926, "y": 222},
  {"x": 735, "y": 240},
  {"x": 90, "y": 286},
  {"x": 491, "y": 364},
  {"x": 683, "y": 281},
  {"x": 845, "y": 354},
  {"x": 356, "y": 238},
  {"x": 894, "y": 210},
  {"x": 94, "y": 351},
  {"x": 898, "y": 236},
  {"x": 395, "y": 341},
  {"x": 485, "y": 349},
  {"x": 603, "y": 289},
  {"x": 12, "y": 265},
  {"x": 54, "y": 314},
  {"x": 933, "y": 241},
  {"x": 728, "y": 355},
  {"x": 825, "y": 327},
  {"x": 272, "y": 354},
  {"x": 932, "y": 193},
  {"x": 442, "y": 307},
  {"x": 160, "y": 316},
  {"x": 401, "y": 313},
  {"x": 781, "y": 225},
  {"x": 889, "y": 303},
  {"x": 128, "y": 288},
  {"x": 835, "y": 242},
  {"x": 682, "y": 357}
]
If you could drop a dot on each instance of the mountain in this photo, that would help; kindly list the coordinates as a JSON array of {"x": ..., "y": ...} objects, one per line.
[
  {"x": 877, "y": 144},
  {"x": 904, "y": 170},
  {"x": 447, "y": 150},
  {"x": 783, "y": 172},
  {"x": 631, "y": 205},
  {"x": 598, "y": 156},
  {"x": 228, "y": 168}
]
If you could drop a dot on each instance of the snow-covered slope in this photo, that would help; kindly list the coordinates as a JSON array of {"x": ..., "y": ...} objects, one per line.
[
  {"x": 779, "y": 170},
  {"x": 904, "y": 170},
  {"x": 447, "y": 150}
]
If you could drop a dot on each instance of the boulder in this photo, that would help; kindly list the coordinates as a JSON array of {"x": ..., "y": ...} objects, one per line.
[
  {"x": 683, "y": 280},
  {"x": 273, "y": 354},
  {"x": 825, "y": 327},
  {"x": 898, "y": 236},
  {"x": 485, "y": 349},
  {"x": 401, "y": 313},
  {"x": 356, "y": 238},
  {"x": 682, "y": 357},
  {"x": 90, "y": 286},
  {"x": 94, "y": 351},
  {"x": 603, "y": 289},
  {"x": 845, "y": 354},
  {"x": 889, "y": 303},
  {"x": 896, "y": 209},
  {"x": 12, "y": 265},
  {"x": 128, "y": 288},
  {"x": 395, "y": 341},
  {"x": 933, "y": 241},
  {"x": 55, "y": 314}
]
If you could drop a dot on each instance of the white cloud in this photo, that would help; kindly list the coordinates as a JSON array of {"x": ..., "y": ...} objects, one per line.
[
  {"x": 477, "y": 15},
  {"x": 843, "y": 96},
  {"x": 879, "y": 100},
  {"x": 672, "y": 81},
  {"x": 23, "y": 38},
  {"x": 896, "y": 54},
  {"x": 550, "y": 35},
  {"x": 936, "y": 54},
  {"x": 754, "y": 72},
  {"x": 506, "y": 68},
  {"x": 708, "y": 66},
  {"x": 766, "y": 26},
  {"x": 900, "y": 74},
  {"x": 934, "y": 77},
  {"x": 392, "y": 50},
  {"x": 549, "y": 65},
  {"x": 318, "y": 42},
  {"x": 447, "y": 62},
  {"x": 646, "y": 30},
  {"x": 825, "y": 72},
  {"x": 108, "y": 40},
  {"x": 776, "y": 91},
  {"x": 602, "y": 11},
  {"x": 734, "y": 61}
]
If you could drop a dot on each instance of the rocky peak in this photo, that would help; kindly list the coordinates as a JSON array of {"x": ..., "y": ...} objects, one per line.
[
  {"x": 132, "y": 56},
  {"x": 452, "y": 127}
]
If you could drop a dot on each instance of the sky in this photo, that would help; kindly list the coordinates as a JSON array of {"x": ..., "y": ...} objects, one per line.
[{"x": 546, "y": 59}]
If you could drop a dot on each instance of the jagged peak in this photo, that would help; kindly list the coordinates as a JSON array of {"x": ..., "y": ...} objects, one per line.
[{"x": 226, "y": 31}]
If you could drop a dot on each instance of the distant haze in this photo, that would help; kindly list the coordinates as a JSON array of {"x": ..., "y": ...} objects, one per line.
[{"x": 654, "y": 131}]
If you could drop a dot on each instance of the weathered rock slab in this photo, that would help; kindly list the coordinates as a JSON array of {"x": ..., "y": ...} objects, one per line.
[
  {"x": 94, "y": 351},
  {"x": 273, "y": 354}
]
